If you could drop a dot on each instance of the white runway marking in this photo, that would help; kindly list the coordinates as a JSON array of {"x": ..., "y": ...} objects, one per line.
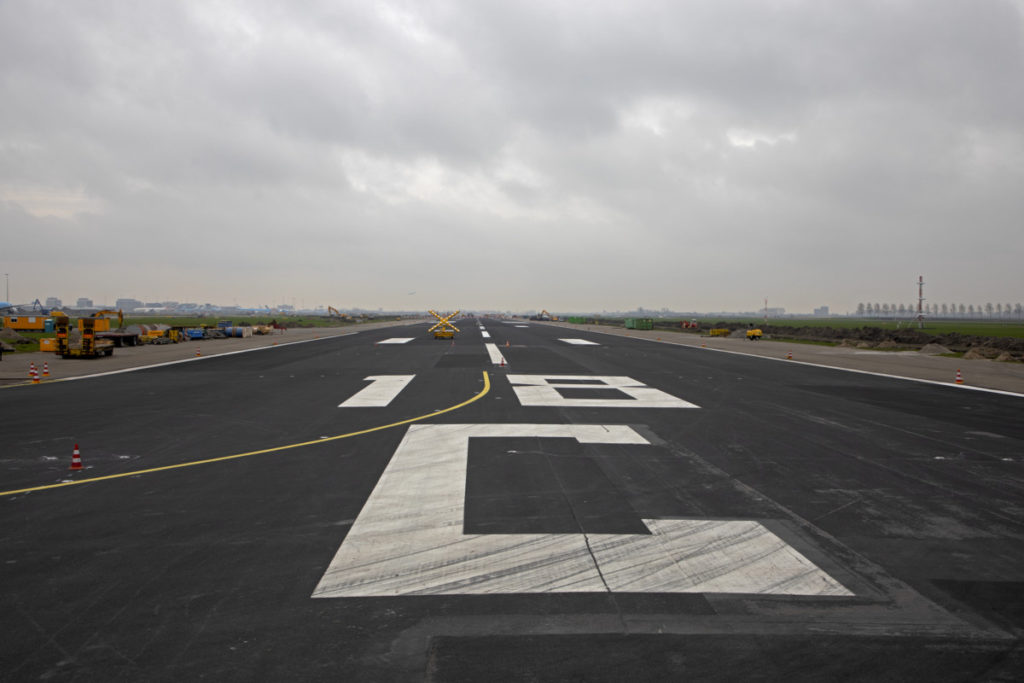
[
  {"x": 542, "y": 390},
  {"x": 495, "y": 354},
  {"x": 408, "y": 538},
  {"x": 522, "y": 325},
  {"x": 379, "y": 394},
  {"x": 397, "y": 340},
  {"x": 579, "y": 342},
  {"x": 486, "y": 335}
]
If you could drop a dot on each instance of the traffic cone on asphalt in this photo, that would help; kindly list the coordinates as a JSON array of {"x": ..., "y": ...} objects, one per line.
[
  {"x": 31, "y": 370},
  {"x": 35, "y": 375},
  {"x": 789, "y": 355},
  {"x": 197, "y": 352},
  {"x": 959, "y": 377},
  {"x": 46, "y": 369},
  {"x": 502, "y": 361},
  {"x": 76, "y": 459},
  {"x": 703, "y": 345},
  {"x": 507, "y": 344}
]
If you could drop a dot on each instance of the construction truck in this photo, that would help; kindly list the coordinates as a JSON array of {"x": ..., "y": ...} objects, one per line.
[
  {"x": 754, "y": 334},
  {"x": 86, "y": 346},
  {"x": 101, "y": 323},
  {"x": 444, "y": 329}
]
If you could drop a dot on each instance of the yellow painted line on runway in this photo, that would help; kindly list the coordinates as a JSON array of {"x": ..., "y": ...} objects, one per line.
[{"x": 275, "y": 449}]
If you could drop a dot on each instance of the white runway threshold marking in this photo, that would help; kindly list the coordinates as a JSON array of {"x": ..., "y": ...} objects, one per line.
[
  {"x": 579, "y": 342},
  {"x": 485, "y": 334},
  {"x": 542, "y": 390},
  {"x": 408, "y": 538},
  {"x": 379, "y": 394},
  {"x": 396, "y": 340},
  {"x": 495, "y": 354}
]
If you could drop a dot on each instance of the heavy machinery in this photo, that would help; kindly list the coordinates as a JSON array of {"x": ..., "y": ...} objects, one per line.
[
  {"x": 101, "y": 322},
  {"x": 754, "y": 334},
  {"x": 88, "y": 346},
  {"x": 444, "y": 329},
  {"x": 335, "y": 313}
]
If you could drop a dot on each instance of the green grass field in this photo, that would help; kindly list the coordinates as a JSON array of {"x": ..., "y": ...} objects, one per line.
[{"x": 984, "y": 328}]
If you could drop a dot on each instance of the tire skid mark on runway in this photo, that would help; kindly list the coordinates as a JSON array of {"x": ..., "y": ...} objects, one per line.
[{"x": 483, "y": 392}]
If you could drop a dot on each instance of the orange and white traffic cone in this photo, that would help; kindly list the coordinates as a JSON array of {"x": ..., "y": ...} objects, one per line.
[
  {"x": 197, "y": 352},
  {"x": 46, "y": 369},
  {"x": 502, "y": 362},
  {"x": 31, "y": 370},
  {"x": 959, "y": 377},
  {"x": 789, "y": 355},
  {"x": 703, "y": 345},
  {"x": 76, "y": 459},
  {"x": 507, "y": 344},
  {"x": 35, "y": 375}
]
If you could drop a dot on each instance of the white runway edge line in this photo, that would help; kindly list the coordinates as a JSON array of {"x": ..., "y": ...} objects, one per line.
[
  {"x": 408, "y": 539},
  {"x": 380, "y": 393},
  {"x": 198, "y": 358},
  {"x": 396, "y": 340},
  {"x": 830, "y": 367},
  {"x": 579, "y": 342},
  {"x": 495, "y": 354}
]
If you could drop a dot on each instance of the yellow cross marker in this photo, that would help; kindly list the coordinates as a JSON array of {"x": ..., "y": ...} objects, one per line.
[{"x": 447, "y": 329}]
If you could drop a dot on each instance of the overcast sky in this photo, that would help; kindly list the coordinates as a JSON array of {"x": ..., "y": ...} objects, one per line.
[{"x": 513, "y": 155}]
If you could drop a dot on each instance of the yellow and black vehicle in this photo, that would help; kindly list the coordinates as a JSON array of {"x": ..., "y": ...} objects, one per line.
[{"x": 86, "y": 346}]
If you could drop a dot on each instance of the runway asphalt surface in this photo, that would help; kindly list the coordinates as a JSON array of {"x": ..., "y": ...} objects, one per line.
[{"x": 618, "y": 510}]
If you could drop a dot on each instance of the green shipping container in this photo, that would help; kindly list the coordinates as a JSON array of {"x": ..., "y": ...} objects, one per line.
[
  {"x": 639, "y": 324},
  {"x": 579, "y": 320}
]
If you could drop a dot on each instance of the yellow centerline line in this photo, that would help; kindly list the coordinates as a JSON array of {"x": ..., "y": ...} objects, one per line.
[{"x": 193, "y": 463}]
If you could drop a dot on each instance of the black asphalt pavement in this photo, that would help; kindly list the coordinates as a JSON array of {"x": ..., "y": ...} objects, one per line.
[{"x": 906, "y": 498}]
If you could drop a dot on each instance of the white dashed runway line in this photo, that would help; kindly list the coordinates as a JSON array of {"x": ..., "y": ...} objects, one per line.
[
  {"x": 495, "y": 354},
  {"x": 579, "y": 342},
  {"x": 396, "y": 340}
]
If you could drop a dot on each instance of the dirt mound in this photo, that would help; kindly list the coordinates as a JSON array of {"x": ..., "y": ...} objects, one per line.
[
  {"x": 863, "y": 345},
  {"x": 887, "y": 344},
  {"x": 1006, "y": 357},
  {"x": 9, "y": 335},
  {"x": 934, "y": 349},
  {"x": 981, "y": 353}
]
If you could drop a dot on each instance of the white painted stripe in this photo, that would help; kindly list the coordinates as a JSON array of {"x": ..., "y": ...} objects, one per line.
[
  {"x": 829, "y": 367},
  {"x": 542, "y": 390},
  {"x": 495, "y": 354},
  {"x": 396, "y": 340},
  {"x": 579, "y": 342},
  {"x": 486, "y": 335},
  {"x": 522, "y": 325},
  {"x": 408, "y": 538},
  {"x": 380, "y": 393},
  {"x": 196, "y": 358}
]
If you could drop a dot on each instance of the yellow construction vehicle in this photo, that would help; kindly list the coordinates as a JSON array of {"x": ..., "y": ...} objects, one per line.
[
  {"x": 100, "y": 322},
  {"x": 754, "y": 334},
  {"x": 444, "y": 329},
  {"x": 87, "y": 347}
]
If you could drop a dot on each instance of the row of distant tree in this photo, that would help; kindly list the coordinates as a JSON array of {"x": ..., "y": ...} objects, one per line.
[{"x": 989, "y": 310}]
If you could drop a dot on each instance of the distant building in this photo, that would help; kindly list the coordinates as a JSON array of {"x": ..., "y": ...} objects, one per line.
[
  {"x": 83, "y": 302},
  {"x": 53, "y": 302},
  {"x": 776, "y": 312},
  {"x": 128, "y": 304},
  {"x": 822, "y": 312}
]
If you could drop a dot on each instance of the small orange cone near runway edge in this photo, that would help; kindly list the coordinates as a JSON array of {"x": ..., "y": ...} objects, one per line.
[
  {"x": 959, "y": 377},
  {"x": 35, "y": 376},
  {"x": 789, "y": 355},
  {"x": 502, "y": 361},
  {"x": 703, "y": 345},
  {"x": 197, "y": 352},
  {"x": 31, "y": 370},
  {"x": 76, "y": 459},
  {"x": 507, "y": 344},
  {"x": 46, "y": 369}
]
